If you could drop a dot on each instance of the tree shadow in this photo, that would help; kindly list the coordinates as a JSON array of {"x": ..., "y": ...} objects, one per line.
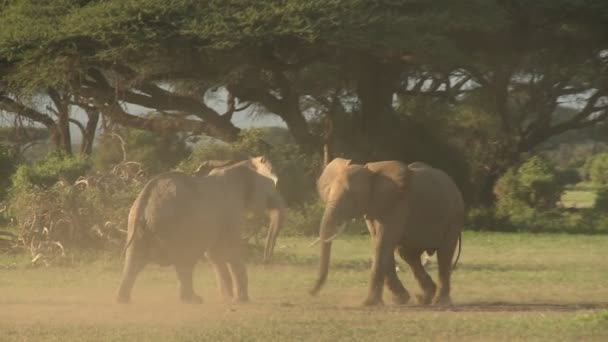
[{"x": 486, "y": 306}]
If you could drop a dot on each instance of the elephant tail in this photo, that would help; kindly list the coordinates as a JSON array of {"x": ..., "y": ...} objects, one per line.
[
  {"x": 459, "y": 250},
  {"x": 136, "y": 221},
  {"x": 136, "y": 227}
]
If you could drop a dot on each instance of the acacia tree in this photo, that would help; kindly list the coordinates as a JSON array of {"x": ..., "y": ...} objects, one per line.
[
  {"x": 517, "y": 73},
  {"x": 345, "y": 60}
]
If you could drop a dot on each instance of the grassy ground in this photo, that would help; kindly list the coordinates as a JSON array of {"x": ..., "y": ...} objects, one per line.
[
  {"x": 578, "y": 198},
  {"x": 507, "y": 287}
]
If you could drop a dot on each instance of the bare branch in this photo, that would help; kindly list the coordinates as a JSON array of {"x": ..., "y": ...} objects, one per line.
[
  {"x": 78, "y": 124},
  {"x": 11, "y": 106}
]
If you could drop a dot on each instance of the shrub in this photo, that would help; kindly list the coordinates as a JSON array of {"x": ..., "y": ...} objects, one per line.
[
  {"x": 48, "y": 171},
  {"x": 569, "y": 176},
  {"x": 595, "y": 169},
  {"x": 601, "y": 200},
  {"x": 304, "y": 219},
  {"x": 8, "y": 165},
  {"x": 535, "y": 185},
  {"x": 88, "y": 213},
  {"x": 526, "y": 198},
  {"x": 155, "y": 152},
  {"x": 484, "y": 218}
]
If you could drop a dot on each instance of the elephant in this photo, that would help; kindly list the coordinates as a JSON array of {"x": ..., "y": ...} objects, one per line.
[
  {"x": 408, "y": 209},
  {"x": 177, "y": 218}
]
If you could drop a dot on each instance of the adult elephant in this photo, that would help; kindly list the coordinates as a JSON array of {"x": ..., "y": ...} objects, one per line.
[
  {"x": 408, "y": 209},
  {"x": 177, "y": 218}
]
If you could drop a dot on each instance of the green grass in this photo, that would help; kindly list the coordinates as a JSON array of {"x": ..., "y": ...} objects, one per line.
[
  {"x": 508, "y": 287},
  {"x": 578, "y": 199}
]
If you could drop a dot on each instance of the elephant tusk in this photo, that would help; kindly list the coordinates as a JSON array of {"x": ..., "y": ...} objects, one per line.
[
  {"x": 329, "y": 239},
  {"x": 312, "y": 244},
  {"x": 342, "y": 228}
]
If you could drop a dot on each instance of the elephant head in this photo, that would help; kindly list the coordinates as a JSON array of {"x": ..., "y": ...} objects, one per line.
[
  {"x": 258, "y": 183},
  {"x": 349, "y": 191}
]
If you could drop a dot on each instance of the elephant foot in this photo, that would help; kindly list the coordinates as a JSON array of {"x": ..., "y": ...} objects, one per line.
[
  {"x": 423, "y": 299},
  {"x": 122, "y": 299},
  {"x": 240, "y": 300},
  {"x": 192, "y": 299},
  {"x": 442, "y": 301},
  {"x": 372, "y": 302},
  {"x": 401, "y": 299}
]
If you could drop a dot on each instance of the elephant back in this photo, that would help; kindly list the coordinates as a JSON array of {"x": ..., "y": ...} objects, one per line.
[{"x": 434, "y": 200}]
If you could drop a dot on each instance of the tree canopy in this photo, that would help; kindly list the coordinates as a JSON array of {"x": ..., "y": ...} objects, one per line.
[{"x": 360, "y": 76}]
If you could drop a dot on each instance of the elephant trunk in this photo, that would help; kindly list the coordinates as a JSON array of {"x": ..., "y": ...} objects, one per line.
[
  {"x": 277, "y": 217},
  {"x": 325, "y": 232}
]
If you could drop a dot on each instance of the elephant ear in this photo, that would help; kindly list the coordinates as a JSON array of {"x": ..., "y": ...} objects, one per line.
[
  {"x": 389, "y": 185},
  {"x": 332, "y": 171}
]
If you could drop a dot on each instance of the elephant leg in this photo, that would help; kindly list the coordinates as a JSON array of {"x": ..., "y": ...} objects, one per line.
[
  {"x": 412, "y": 258},
  {"x": 382, "y": 255},
  {"x": 392, "y": 282},
  {"x": 371, "y": 227},
  {"x": 135, "y": 261},
  {"x": 444, "y": 261},
  {"x": 184, "y": 271},
  {"x": 223, "y": 277},
  {"x": 239, "y": 275}
]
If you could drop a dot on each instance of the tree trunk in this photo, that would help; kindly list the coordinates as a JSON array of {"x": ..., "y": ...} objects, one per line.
[
  {"x": 327, "y": 138},
  {"x": 379, "y": 126},
  {"x": 62, "y": 111},
  {"x": 88, "y": 136},
  {"x": 299, "y": 129}
]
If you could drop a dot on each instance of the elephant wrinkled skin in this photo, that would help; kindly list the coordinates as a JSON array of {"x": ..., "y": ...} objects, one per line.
[
  {"x": 408, "y": 210},
  {"x": 178, "y": 218}
]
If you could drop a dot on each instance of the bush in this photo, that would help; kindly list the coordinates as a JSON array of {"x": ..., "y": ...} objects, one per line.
[
  {"x": 583, "y": 221},
  {"x": 305, "y": 219},
  {"x": 8, "y": 165},
  {"x": 535, "y": 185},
  {"x": 156, "y": 153},
  {"x": 601, "y": 200},
  {"x": 526, "y": 198},
  {"x": 54, "y": 168},
  {"x": 484, "y": 219},
  {"x": 88, "y": 213},
  {"x": 595, "y": 169}
]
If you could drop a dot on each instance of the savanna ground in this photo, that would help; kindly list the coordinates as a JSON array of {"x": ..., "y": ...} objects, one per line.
[{"x": 507, "y": 287}]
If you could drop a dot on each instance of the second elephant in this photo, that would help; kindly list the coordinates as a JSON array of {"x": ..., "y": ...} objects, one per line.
[
  {"x": 408, "y": 209},
  {"x": 177, "y": 218}
]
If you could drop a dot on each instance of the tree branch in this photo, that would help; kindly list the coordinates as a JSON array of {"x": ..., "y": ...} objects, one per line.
[
  {"x": 78, "y": 124},
  {"x": 11, "y": 106},
  {"x": 159, "y": 99}
]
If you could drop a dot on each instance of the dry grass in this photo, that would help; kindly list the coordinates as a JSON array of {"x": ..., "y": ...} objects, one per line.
[{"x": 508, "y": 287}]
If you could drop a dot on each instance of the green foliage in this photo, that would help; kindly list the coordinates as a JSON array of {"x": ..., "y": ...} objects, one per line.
[
  {"x": 8, "y": 165},
  {"x": 595, "y": 169},
  {"x": 90, "y": 213},
  {"x": 54, "y": 168},
  {"x": 304, "y": 219},
  {"x": 534, "y": 185},
  {"x": 601, "y": 200},
  {"x": 526, "y": 198},
  {"x": 526, "y": 219},
  {"x": 156, "y": 153}
]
